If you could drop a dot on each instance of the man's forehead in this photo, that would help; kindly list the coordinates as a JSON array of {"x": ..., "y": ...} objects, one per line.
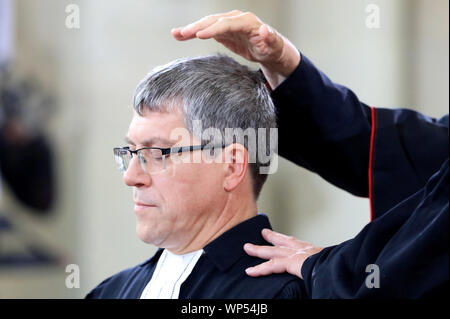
[
  {"x": 174, "y": 115},
  {"x": 154, "y": 128}
]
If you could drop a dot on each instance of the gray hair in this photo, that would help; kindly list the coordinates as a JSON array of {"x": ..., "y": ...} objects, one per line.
[{"x": 216, "y": 90}]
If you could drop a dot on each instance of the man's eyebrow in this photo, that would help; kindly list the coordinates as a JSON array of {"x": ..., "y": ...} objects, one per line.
[
  {"x": 129, "y": 141},
  {"x": 154, "y": 141}
]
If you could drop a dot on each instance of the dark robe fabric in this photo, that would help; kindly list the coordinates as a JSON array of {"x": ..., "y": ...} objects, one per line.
[{"x": 398, "y": 158}]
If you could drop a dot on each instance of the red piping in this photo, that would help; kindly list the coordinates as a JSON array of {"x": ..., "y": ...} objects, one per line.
[{"x": 372, "y": 137}]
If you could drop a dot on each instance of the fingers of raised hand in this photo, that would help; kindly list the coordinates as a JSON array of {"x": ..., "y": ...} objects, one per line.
[
  {"x": 189, "y": 31},
  {"x": 245, "y": 24}
]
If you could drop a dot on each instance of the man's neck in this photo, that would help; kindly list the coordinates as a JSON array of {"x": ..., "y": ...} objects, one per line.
[{"x": 234, "y": 212}]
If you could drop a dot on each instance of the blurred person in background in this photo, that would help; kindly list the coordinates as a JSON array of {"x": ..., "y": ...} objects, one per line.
[
  {"x": 26, "y": 166},
  {"x": 26, "y": 156}
]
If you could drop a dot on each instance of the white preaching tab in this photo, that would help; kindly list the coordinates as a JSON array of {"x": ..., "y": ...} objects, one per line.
[{"x": 170, "y": 273}]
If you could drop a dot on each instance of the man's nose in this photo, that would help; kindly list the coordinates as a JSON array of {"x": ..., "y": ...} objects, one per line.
[{"x": 135, "y": 175}]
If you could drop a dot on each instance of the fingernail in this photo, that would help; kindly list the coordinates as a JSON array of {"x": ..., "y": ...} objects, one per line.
[{"x": 249, "y": 270}]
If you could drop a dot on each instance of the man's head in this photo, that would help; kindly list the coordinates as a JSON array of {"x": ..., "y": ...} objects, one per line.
[{"x": 191, "y": 202}]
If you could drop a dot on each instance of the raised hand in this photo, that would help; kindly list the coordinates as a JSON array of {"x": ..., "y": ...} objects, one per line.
[{"x": 246, "y": 35}]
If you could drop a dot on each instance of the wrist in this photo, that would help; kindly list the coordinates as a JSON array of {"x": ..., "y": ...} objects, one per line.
[{"x": 276, "y": 72}]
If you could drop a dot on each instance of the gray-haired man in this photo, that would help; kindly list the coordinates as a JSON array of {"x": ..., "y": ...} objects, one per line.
[{"x": 197, "y": 145}]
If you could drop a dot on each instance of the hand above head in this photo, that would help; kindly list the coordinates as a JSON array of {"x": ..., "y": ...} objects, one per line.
[
  {"x": 287, "y": 255},
  {"x": 245, "y": 34}
]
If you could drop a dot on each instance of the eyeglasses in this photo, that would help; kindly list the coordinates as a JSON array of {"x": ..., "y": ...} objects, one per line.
[{"x": 153, "y": 159}]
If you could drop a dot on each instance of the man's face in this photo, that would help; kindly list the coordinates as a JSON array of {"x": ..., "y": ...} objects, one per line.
[{"x": 171, "y": 206}]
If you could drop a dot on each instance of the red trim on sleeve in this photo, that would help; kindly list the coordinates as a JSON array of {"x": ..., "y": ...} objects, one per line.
[
  {"x": 372, "y": 138},
  {"x": 268, "y": 87}
]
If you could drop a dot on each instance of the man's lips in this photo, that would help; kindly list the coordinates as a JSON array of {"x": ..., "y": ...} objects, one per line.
[{"x": 138, "y": 206}]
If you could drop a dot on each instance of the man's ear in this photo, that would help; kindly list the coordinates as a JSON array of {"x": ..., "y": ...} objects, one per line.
[{"x": 235, "y": 165}]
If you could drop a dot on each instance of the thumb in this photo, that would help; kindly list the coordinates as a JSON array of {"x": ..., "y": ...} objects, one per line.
[{"x": 268, "y": 34}]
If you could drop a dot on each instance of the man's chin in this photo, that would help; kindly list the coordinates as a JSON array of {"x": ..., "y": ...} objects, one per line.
[
  {"x": 146, "y": 239},
  {"x": 146, "y": 236}
]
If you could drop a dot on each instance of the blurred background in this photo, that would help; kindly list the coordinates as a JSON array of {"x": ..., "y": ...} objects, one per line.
[{"x": 65, "y": 102}]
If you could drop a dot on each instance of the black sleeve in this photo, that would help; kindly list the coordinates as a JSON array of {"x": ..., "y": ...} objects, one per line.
[
  {"x": 383, "y": 154},
  {"x": 323, "y": 127},
  {"x": 396, "y": 157},
  {"x": 28, "y": 170},
  {"x": 406, "y": 249},
  {"x": 408, "y": 148}
]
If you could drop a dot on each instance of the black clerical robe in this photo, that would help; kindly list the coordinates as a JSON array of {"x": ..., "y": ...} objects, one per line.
[
  {"x": 396, "y": 157},
  {"x": 219, "y": 273}
]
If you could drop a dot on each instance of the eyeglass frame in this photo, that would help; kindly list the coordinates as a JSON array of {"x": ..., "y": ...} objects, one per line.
[{"x": 170, "y": 150}]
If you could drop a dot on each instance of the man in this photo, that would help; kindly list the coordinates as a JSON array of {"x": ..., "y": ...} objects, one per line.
[
  {"x": 198, "y": 208},
  {"x": 326, "y": 129}
]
